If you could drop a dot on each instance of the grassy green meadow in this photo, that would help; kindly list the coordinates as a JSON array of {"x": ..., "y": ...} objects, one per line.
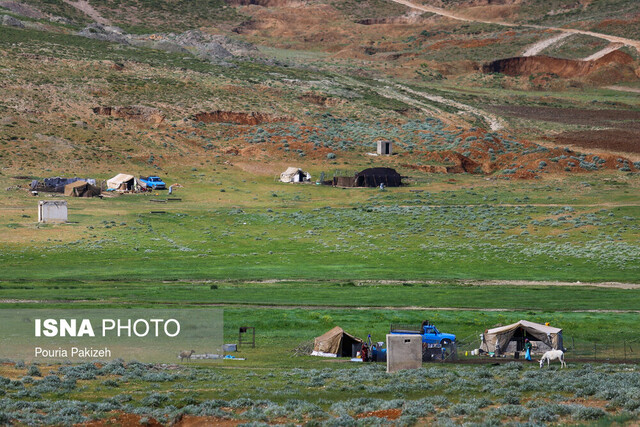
[{"x": 533, "y": 230}]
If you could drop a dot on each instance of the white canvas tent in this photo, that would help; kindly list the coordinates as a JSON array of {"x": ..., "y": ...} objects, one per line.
[
  {"x": 124, "y": 182},
  {"x": 510, "y": 338},
  {"x": 295, "y": 175}
]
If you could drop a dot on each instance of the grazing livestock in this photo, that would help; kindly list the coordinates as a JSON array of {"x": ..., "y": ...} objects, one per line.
[
  {"x": 186, "y": 355},
  {"x": 553, "y": 355}
]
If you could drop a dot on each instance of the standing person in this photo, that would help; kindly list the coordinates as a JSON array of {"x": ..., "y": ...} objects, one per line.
[
  {"x": 527, "y": 347},
  {"x": 364, "y": 352}
]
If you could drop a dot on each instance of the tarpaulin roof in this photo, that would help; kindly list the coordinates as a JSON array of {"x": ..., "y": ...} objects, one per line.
[
  {"x": 499, "y": 338},
  {"x": 81, "y": 189},
  {"x": 336, "y": 341},
  {"x": 526, "y": 324},
  {"x": 57, "y": 183},
  {"x": 120, "y": 178},
  {"x": 116, "y": 183}
]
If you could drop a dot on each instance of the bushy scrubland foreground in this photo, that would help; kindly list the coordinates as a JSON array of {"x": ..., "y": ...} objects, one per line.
[{"x": 442, "y": 394}]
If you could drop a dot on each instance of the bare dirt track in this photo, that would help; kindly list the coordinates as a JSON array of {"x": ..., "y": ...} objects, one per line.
[
  {"x": 90, "y": 11},
  {"x": 457, "y": 16},
  {"x": 607, "y": 50},
  {"x": 495, "y": 123},
  {"x": 538, "y": 47},
  {"x": 624, "y": 89},
  {"x": 322, "y": 307}
]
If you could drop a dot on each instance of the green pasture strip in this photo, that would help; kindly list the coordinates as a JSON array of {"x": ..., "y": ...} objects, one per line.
[
  {"x": 331, "y": 294},
  {"x": 366, "y": 242},
  {"x": 280, "y": 331}
]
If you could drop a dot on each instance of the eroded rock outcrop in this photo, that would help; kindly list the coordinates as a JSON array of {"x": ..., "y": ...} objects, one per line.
[
  {"x": 138, "y": 113},
  {"x": 566, "y": 68}
]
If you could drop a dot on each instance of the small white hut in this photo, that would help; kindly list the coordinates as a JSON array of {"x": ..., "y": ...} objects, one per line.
[
  {"x": 51, "y": 211},
  {"x": 384, "y": 147}
]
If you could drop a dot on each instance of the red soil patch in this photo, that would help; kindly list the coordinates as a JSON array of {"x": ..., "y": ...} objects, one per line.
[
  {"x": 617, "y": 22},
  {"x": 458, "y": 163},
  {"x": 123, "y": 420},
  {"x": 622, "y": 134},
  {"x": 194, "y": 421},
  {"x": 566, "y": 68},
  {"x": 390, "y": 414},
  {"x": 620, "y": 140},
  {"x": 323, "y": 101},
  {"x": 239, "y": 118}
]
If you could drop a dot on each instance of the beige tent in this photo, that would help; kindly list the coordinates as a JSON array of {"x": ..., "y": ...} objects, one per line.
[
  {"x": 81, "y": 189},
  {"x": 510, "y": 338},
  {"x": 124, "y": 182},
  {"x": 336, "y": 343},
  {"x": 294, "y": 175}
]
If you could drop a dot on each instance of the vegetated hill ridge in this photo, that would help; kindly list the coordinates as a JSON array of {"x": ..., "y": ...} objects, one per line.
[{"x": 174, "y": 98}]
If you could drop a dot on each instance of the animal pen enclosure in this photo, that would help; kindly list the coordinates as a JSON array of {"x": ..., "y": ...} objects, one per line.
[{"x": 608, "y": 350}]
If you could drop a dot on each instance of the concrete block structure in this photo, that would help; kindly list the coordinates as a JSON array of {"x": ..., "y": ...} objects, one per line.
[
  {"x": 52, "y": 211},
  {"x": 384, "y": 148},
  {"x": 404, "y": 352}
]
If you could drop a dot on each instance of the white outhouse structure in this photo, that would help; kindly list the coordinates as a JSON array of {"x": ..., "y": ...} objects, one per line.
[{"x": 50, "y": 211}]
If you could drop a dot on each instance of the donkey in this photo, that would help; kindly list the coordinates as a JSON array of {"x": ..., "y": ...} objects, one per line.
[
  {"x": 186, "y": 355},
  {"x": 553, "y": 355}
]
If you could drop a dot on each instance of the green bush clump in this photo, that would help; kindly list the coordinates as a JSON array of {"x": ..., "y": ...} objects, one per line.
[{"x": 34, "y": 371}]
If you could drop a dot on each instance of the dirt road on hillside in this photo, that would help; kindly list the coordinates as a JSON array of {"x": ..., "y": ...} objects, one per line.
[
  {"x": 624, "y": 89},
  {"x": 456, "y": 16},
  {"x": 495, "y": 123},
  {"x": 87, "y": 9},
  {"x": 607, "y": 50},
  {"x": 538, "y": 47}
]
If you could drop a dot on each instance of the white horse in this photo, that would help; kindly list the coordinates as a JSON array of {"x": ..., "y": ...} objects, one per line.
[{"x": 553, "y": 355}]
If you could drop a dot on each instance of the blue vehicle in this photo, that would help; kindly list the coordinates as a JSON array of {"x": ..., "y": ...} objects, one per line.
[
  {"x": 431, "y": 336},
  {"x": 153, "y": 182}
]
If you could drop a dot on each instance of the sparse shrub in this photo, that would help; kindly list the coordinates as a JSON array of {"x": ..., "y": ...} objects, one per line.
[
  {"x": 155, "y": 400},
  {"x": 34, "y": 371},
  {"x": 542, "y": 414},
  {"x": 587, "y": 413}
]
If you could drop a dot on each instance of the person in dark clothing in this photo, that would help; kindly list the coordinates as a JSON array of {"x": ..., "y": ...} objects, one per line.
[{"x": 364, "y": 353}]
